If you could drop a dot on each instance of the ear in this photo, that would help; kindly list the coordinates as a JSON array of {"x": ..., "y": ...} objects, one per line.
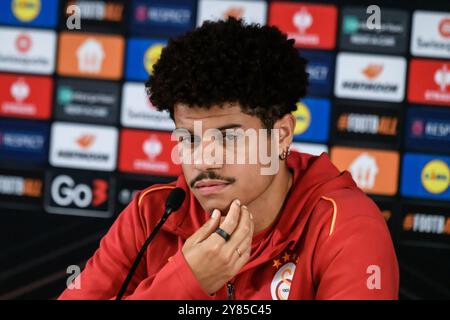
[{"x": 286, "y": 126}]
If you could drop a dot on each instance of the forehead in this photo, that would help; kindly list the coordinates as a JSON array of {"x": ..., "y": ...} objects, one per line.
[{"x": 214, "y": 117}]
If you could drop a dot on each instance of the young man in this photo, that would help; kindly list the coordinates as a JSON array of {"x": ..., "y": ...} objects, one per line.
[{"x": 300, "y": 230}]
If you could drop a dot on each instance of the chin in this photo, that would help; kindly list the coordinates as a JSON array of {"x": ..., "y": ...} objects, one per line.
[{"x": 211, "y": 203}]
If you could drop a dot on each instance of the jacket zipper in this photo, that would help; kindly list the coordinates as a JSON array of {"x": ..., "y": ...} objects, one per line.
[{"x": 230, "y": 291}]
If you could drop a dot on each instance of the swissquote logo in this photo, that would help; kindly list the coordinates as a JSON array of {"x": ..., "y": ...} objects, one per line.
[
  {"x": 434, "y": 39},
  {"x": 27, "y": 50},
  {"x": 138, "y": 112}
]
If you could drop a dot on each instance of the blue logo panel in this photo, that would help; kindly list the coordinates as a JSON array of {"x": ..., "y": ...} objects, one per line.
[
  {"x": 313, "y": 120},
  {"x": 320, "y": 68},
  {"x": 35, "y": 13},
  {"x": 162, "y": 17},
  {"x": 425, "y": 176},
  {"x": 141, "y": 55},
  {"x": 23, "y": 141},
  {"x": 428, "y": 129}
]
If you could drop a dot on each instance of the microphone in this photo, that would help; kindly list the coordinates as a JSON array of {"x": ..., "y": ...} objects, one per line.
[{"x": 173, "y": 203}]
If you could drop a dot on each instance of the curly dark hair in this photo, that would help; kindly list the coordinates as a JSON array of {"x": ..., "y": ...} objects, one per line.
[{"x": 230, "y": 61}]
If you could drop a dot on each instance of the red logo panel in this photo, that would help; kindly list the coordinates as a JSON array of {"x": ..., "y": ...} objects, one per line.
[
  {"x": 147, "y": 152},
  {"x": 312, "y": 26},
  {"x": 25, "y": 96},
  {"x": 429, "y": 82}
]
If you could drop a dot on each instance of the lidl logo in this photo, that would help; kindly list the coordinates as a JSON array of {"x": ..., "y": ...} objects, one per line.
[
  {"x": 426, "y": 176},
  {"x": 36, "y": 13},
  {"x": 303, "y": 118},
  {"x": 26, "y": 10},
  {"x": 151, "y": 56},
  {"x": 142, "y": 54},
  {"x": 435, "y": 176},
  {"x": 312, "y": 120}
]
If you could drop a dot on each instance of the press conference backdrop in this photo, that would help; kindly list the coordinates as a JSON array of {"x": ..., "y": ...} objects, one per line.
[{"x": 78, "y": 135}]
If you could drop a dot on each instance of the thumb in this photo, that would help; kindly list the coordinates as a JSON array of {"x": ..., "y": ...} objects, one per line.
[{"x": 209, "y": 227}]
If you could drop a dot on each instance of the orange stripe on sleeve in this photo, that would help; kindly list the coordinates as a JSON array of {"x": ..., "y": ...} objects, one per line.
[
  {"x": 334, "y": 213},
  {"x": 151, "y": 190}
]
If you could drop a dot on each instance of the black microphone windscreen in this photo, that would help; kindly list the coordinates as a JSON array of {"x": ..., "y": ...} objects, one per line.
[{"x": 175, "y": 199}]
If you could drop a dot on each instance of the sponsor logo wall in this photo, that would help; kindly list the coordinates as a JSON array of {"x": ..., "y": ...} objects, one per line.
[{"x": 78, "y": 135}]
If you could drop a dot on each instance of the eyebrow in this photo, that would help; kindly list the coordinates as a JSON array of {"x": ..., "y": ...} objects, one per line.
[{"x": 225, "y": 127}]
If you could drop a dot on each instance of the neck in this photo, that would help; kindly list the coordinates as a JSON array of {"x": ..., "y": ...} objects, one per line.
[{"x": 268, "y": 205}]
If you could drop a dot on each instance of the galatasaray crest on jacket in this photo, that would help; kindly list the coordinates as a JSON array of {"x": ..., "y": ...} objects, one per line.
[{"x": 282, "y": 280}]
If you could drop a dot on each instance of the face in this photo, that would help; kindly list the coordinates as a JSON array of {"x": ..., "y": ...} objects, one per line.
[{"x": 216, "y": 184}]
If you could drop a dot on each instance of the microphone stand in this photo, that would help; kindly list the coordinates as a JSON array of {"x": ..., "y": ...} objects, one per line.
[{"x": 133, "y": 268}]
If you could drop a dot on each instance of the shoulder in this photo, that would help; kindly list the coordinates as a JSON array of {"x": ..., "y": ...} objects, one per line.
[
  {"x": 340, "y": 208},
  {"x": 154, "y": 193},
  {"x": 147, "y": 205}
]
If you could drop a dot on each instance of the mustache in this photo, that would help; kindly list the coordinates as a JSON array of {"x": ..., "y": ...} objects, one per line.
[{"x": 210, "y": 175}]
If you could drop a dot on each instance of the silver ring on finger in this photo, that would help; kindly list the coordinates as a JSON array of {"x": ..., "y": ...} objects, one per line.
[{"x": 239, "y": 252}]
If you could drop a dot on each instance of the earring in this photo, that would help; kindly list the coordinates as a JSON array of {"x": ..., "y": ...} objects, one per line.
[{"x": 285, "y": 153}]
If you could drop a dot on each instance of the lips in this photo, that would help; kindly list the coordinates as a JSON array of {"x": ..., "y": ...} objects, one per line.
[
  {"x": 207, "y": 187},
  {"x": 209, "y": 183}
]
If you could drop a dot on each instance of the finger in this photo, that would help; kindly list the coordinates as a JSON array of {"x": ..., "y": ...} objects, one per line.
[
  {"x": 245, "y": 249},
  {"x": 231, "y": 220},
  {"x": 207, "y": 228},
  {"x": 245, "y": 246},
  {"x": 242, "y": 231}
]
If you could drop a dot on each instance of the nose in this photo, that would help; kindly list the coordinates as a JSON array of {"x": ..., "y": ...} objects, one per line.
[{"x": 208, "y": 156}]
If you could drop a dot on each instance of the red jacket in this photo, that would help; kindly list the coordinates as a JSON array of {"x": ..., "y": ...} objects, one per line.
[{"x": 329, "y": 242}]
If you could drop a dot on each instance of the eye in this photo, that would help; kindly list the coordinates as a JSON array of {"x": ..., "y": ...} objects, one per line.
[
  {"x": 230, "y": 136},
  {"x": 189, "y": 139}
]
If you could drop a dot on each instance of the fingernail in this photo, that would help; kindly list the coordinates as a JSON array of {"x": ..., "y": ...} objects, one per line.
[
  {"x": 215, "y": 214},
  {"x": 237, "y": 202},
  {"x": 251, "y": 216}
]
